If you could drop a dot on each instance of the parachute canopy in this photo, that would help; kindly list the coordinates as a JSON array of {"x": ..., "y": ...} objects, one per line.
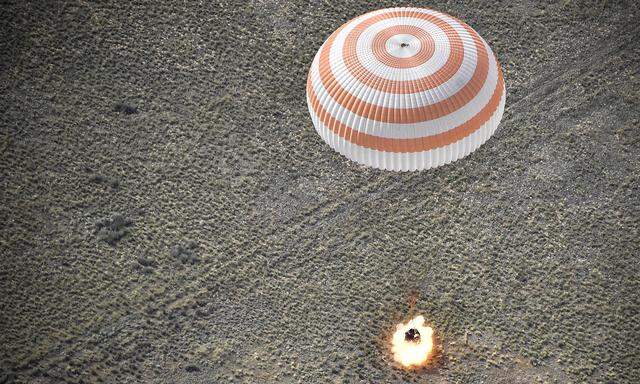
[{"x": 405, "y": 89}]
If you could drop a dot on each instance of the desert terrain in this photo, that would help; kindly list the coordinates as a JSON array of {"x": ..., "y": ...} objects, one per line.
[{"x": 169, "y": 214}]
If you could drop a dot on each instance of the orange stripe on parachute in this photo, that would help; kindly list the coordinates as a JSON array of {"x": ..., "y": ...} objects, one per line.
[
  {"x": 408, "y": 145},
  {"x": 406, "y": 115}
]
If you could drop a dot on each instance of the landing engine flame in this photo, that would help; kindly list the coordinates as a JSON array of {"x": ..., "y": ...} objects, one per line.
[{"x": 412, "y": 343}]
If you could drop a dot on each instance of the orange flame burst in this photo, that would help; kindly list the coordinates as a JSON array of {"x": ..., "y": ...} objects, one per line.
[{"x": 412, "y": 353}]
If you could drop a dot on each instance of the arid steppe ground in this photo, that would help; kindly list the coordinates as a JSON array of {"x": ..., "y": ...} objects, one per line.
[{"x": 169, "y": 215}]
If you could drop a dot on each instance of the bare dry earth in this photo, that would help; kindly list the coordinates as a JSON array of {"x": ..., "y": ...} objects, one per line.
[{"x": 169, "y": 214}]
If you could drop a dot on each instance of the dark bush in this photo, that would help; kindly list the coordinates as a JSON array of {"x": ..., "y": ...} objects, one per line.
[
  {"x": 114, "y": 229},
  {"x": 125, "y": 108},
  {"x": 192, "y": 368},
  {"x": 185, "y": 252},
  {"x": 101, "y": 179}
]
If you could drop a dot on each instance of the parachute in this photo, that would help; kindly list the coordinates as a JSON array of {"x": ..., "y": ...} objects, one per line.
[{"x": 405, "y": 89}]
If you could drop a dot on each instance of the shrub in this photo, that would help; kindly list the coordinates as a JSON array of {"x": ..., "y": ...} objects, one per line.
[
  {"x": 185, "y": 253},
  {"x": 114, "y": 229}
]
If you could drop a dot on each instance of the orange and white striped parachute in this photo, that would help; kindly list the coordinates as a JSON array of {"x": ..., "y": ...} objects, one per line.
[{"x": 405, "y": 89}]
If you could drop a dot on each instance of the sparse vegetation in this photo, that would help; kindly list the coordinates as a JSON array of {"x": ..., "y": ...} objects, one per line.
[
  {"x": 125, "y": 108},
  {"x": 111, "y": 230},
  {"x": 185, "y": 253},
  {"x": 524, "y": 256},
  {"x": 114, "y": 183}
]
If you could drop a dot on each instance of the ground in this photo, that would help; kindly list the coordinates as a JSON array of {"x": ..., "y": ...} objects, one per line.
[{"x": 169, "y": 214}]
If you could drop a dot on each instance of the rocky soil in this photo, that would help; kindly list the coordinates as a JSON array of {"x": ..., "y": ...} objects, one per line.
[{"x": 169, "y": 215}]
